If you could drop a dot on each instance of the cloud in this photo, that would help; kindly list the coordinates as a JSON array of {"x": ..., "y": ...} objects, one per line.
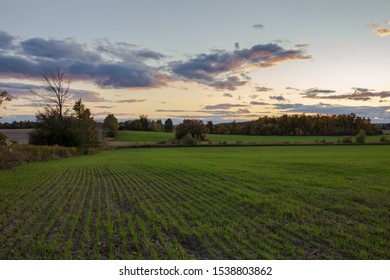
[
  {"x": 360, "y": 94},
  {"x": 322, "y": 108},
  {"x": 291, "y": 88},
  {"x": 19, "y": 90},
  {"x": 23, "y": 91},
  {"x": 227, "y": 95},
  {"x": 242, "y": 111},
  {"x": 66, "y": 50},
  {"x": 263, "y": 89},
  {"x": 104, "y": 107},
  {"x": 131, "y": 101},
  {"x": 225, "y": 106},
  {"x": 107, "y": 65},
  {"x": 302, "y": 46},
  {"x": 5, "y": 40},
  {"x": 381, "y": 32},
  {"x": 86, "y": 95},
  {"x": 217, "y": 69},
  {"x": 258, "y": 26},
  {"x": 259, "y": 103},
  {"x": 278, "y": 98},
  {"x": 230, "y": 83}
]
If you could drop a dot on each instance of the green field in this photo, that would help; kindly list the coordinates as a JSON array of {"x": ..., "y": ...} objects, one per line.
[
  {"x": 317, "y": 202},
  {"x": 148, "y": 136}
]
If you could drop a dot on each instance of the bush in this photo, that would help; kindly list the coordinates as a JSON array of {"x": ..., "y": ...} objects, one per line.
[
  {"x": 2, "y": 138},
  {"x": 346, "y": 139},
  {"x": 361, "y": 137},
  {"x": 384, "y": 139},
  {"x": 13, "y": 154},
  {"x": 188, "y": 140}
]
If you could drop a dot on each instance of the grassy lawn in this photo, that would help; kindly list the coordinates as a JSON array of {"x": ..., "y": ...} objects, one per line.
[
  {"x": 193, "y": 203},
  {"x": 148, "y": 136}
]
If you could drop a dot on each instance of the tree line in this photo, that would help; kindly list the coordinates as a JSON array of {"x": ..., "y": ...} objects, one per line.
[
  {"x": 299, "y": 124},
  {"x": 145, "y": 124}
]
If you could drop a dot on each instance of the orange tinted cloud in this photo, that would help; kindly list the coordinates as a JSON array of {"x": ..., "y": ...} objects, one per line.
[{"x": 382, "y": 32}]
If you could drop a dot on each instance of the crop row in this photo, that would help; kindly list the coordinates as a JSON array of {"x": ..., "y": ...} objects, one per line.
[{"x": 141, "y": 209}]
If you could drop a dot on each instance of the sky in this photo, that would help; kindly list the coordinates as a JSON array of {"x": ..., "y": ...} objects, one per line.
[{"x": 210, "y": 60}]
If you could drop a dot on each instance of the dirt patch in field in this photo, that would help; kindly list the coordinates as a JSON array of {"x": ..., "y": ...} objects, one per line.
[{"x": 18, "y": 135}]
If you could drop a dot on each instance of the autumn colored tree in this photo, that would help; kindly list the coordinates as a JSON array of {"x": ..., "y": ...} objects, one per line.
[
  {"x": 196, "y": 128},
  {"x": 111, "y": 125}
]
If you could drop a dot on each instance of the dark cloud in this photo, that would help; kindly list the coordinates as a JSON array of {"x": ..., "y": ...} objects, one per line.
[
  {"x": 225, "y": 106},
  {"x": 258, "y": 26},
  {"x": 360, "y": 94},
  {"x": 108, "y": 65},
  {"x": 302, "y": 45},
  {"x": 19, "y": 90},
  {"x": 263, "y": 89},
  {"x": 230, "y": 83},
  {"x": 66, "y": 50},
  {"x": 5, "y": 40},
  {"x": 259, "y": 103},
  {"x": 86, "y": 95},
  {"x": 291, "y": 88},
  {"x": 278, "y": 98},
  {"x": 208, "y": 68},
  {"x": 242, "y": 111},
  {"x": 314, "y": 91},
  {"x": 227, "y": 95},
  {"x": 145, "y": 53},
  {"x": 23, "y": 91}
]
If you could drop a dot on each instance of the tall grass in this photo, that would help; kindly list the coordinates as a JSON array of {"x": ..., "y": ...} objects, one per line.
[{"x": 15, "y": 154}]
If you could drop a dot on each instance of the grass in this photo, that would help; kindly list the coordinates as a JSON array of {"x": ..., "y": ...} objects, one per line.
[
  {"x": 192, "y": 203},
  {"x": 143, "y": 136},
  {"x": 147, "y": 136}
]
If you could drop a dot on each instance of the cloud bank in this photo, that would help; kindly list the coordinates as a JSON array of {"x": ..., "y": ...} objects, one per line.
[
  {"x": 218, "y": 69},
  {"x": 359, "y": 94}
]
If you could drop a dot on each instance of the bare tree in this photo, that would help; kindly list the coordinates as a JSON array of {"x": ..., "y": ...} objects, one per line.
[{"x": 56, "y": 91}]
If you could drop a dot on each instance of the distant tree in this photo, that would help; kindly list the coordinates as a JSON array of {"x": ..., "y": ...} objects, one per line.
[
  {"x": 55, "y": 92},
  {"x": 144, "y": 122},
  {"x": 85, "y": 127},
  {"x": 196, "y": 128},
  {"x": 168, "y": 125},
  {"x": 111, "y": 125},
  {"x": 4, "y": 97},
  {"x": 210, "y": 127},
  {"x": 158, "y": 126}
]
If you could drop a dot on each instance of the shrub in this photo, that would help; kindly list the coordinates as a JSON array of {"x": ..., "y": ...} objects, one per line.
[
  {"x": 13, "y": 154},
  {"x": 2, "y": 138},
  {"x": 361, "y": 137},
  {"x": 188, "y": 140},
  {"x": 346, "y": 139},
  {"x": 384, "y": 139}
]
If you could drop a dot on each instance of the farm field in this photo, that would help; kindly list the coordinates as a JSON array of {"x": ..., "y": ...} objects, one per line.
[
  {"x": 148, "y": 136},
  {"x": 315, "y": 202}
]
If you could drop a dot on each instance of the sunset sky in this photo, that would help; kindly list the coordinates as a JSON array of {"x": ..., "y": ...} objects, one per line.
[{"x": 212, "y": 60}]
